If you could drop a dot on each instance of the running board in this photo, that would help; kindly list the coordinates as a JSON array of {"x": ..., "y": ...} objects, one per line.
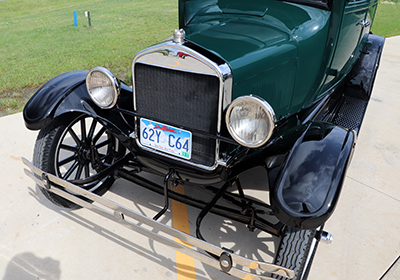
[{"x": 227, "y": 260}]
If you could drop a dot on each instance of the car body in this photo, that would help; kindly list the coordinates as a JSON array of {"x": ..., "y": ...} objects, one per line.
[{"x": 281, "y": 85}]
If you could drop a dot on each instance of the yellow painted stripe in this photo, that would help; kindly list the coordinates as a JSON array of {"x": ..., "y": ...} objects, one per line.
[{"x": 184, "y": 264}]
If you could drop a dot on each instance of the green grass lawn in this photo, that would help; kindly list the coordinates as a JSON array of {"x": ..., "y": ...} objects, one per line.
[
  {"x": 39, "y": 39},
  {"x": 387, "y": 19}
]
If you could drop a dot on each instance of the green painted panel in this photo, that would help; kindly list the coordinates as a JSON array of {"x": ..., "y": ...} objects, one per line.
[{"x": 275, "y": 49}]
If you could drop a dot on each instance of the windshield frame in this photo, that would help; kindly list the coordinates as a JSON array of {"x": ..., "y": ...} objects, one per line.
[{"x": 324, "y": 5}]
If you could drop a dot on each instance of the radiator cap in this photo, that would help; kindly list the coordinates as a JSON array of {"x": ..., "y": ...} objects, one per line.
[{"x": 179, "y": 36}]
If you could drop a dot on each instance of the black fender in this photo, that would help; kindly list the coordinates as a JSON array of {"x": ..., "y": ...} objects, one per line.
[
  {"x": 66, "y": 94},
  {"x": 362, "y": 77},
  {"x": 309, "y": 182},
  {"x": 39, "y": 110}
]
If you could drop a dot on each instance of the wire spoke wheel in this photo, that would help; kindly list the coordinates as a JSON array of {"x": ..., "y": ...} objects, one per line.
[
  {"x": 76, "y": 150},
  {"x": 84, "y": 149}
]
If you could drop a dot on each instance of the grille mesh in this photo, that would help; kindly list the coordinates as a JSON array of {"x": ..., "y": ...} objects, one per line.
[{"x": 183, "y": 98}]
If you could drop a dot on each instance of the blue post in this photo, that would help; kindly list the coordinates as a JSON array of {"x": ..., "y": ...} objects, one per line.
[{"x": 75, "y": 19}]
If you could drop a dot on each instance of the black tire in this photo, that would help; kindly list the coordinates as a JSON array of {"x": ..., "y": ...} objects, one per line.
[
  {"x": 296, "y": 252},
  {"x": 65, "y": 149}
]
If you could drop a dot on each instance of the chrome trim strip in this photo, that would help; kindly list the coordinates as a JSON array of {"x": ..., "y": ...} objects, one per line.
[
  {"x": 120, "y": 214},
  {"x": 170, "y": 67},
  {"x": 179, "y": 57}
]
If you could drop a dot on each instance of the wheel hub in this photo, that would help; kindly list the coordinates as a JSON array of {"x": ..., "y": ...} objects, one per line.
[{"x": 85, "y": 153}]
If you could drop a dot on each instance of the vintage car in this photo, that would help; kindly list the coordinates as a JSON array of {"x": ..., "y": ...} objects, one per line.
[{"x": 281, "y": 86}]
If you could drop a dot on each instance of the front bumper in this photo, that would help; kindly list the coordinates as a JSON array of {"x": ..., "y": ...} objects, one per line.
[{"x": 225, "y": 260}]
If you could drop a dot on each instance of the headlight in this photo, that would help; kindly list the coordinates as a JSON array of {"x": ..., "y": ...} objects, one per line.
[
  {"x": 103, "y": 87},
  {"x": 250, "y": 121}
]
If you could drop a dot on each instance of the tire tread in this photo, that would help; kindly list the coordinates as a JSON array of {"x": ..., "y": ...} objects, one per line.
[{"x": 293, "y": 251}]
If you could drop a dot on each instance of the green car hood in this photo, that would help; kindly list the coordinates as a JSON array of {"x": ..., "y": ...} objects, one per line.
[{"x": 267, "y": 50}]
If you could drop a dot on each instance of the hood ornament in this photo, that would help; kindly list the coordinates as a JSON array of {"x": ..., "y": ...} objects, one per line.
[{"x": 179, "y": 36}]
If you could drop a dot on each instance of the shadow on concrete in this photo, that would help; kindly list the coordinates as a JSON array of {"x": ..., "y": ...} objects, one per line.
[
  {"x": 27, "y": 266},
  {"x": 217, "y": 230},
  {"x": 151, "y": 255}
]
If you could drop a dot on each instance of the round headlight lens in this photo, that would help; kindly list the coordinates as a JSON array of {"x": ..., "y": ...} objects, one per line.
[
  {"x": 250, "y": 121},
  {"x": 103, "y": 87}
]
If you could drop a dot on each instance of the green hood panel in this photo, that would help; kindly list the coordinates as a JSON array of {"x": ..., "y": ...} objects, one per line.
[
  {"x": 270, "y": 49},
  {"x": 247, "y": 46}
]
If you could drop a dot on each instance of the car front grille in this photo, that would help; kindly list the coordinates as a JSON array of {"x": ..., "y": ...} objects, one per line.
[{"x": 180, "y": 98}]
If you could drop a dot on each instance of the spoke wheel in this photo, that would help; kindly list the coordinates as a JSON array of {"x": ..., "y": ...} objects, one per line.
[{"x": 76, "y": 150}]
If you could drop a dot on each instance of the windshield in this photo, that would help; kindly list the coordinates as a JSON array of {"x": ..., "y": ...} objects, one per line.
[{"x": 250, "y": 7}]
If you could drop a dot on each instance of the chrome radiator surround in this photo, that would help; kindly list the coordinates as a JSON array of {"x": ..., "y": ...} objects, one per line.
[{"x": 178, "y": 57}]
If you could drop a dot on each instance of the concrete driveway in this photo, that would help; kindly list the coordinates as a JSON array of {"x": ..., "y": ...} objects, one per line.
[
  {"x": 41, "y": 241},
  {"x": 366, "y": 222}
]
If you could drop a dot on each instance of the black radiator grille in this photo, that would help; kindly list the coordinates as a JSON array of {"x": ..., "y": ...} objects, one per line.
[{"x": 180, "y": 98}]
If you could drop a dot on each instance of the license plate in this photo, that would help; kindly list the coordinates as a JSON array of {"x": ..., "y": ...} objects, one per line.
[{"x": 165, "y": 138}]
